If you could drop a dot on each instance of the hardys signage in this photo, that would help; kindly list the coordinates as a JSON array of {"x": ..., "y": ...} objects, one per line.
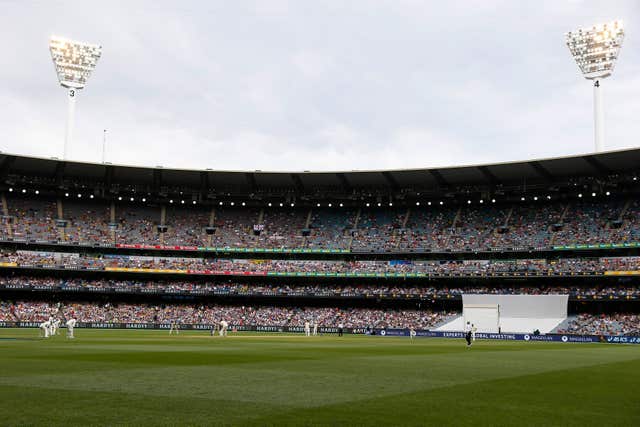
[{"x": 392, "y": 332}]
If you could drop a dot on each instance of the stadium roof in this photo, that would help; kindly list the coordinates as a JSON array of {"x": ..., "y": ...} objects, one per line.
[{"x": 507, "y": 174}]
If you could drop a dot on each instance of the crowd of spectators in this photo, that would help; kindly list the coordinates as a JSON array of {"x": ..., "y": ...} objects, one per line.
[
  {"x": 210, "y": 314},
  {"x": 437, "y": 267},
  {"x": 609, "y": 324},
  {"x": 438, "y": 228},
  {"x": 186, "y": 226},
  {"x": 87, "y": 312},
  {"x": 323, "y": 290},
  {"x": 135, "y": 225},
  {"x": 30, "y": 218},
  {"x": 87, "y": 223}
]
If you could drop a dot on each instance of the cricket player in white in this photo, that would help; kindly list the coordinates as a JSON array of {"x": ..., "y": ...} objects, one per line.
[
  {"x": 315, "y": 327},
  {"x": 55, "y": 327},
  {"x": 71, "y": 323},
  {"x": 412, "y": 333},
  {"x": 473, "y": 332},
  {"x": 307, "y": 328},
  {"x": 174, "y": 328},
  {"x": 51, "y": 326},
  {"x": 45, "y": 327},
  {"x": 223, "y": 328}
]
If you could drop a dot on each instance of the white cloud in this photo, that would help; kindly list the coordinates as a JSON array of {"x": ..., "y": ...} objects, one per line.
[{"x": 278, "y": 85}]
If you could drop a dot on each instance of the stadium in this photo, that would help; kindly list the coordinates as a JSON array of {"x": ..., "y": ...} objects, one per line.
[{"x": 501, "y": 293}]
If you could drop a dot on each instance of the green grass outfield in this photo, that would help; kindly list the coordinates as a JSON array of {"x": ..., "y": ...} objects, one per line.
[{"x": 118, "y": 377}]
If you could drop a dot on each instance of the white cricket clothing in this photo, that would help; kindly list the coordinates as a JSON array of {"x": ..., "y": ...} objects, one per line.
[
  {"x": 71, "y": 323},
  {"x": 223, "y": 328}
]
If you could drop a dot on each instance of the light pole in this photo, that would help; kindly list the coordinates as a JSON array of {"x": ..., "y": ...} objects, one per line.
[
  {"x": 104, "y": 144},
  {"x": 595, "y": 50},
  {"x": 74, "y": 62}
]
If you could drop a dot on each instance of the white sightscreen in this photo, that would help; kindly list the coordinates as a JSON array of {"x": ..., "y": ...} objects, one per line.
[
  {"x": 529, "y": 306},
  {"x": 486, "y": 318},
  {"x": 522, "y": 313}
]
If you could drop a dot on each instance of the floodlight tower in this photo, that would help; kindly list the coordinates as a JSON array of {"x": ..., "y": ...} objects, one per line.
[
  {"x": 74, "y": 62},
  {"x": 595, "y": 50}
]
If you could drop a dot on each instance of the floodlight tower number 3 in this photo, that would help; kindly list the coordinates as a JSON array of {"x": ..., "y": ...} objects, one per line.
[{"x": 74, "y": 61}]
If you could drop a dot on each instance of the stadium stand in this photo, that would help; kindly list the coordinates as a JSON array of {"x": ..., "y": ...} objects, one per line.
[{"x": 381, "y": 249}]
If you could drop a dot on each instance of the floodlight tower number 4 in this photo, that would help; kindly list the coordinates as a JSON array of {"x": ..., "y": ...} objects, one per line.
[{"x": 595, "y": 50}]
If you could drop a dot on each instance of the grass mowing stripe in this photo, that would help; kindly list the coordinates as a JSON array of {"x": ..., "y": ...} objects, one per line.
[
  {"x": 63, "y": 407},
  {"x": 273, "y": 379},
  {"x": 560, "y": 398}
]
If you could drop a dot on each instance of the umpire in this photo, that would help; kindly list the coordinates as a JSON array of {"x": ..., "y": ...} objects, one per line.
[{"x": 467, "y": 334}]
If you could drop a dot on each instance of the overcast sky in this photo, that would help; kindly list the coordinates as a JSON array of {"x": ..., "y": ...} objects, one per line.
[{"x": 315, "y": 85}]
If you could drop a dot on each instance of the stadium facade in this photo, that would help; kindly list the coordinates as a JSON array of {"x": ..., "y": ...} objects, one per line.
[{"x": 376, "y": 249}]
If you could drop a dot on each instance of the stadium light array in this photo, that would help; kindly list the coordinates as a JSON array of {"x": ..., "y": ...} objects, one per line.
[
  {"x": 74, "y": 62},
  {"x": 596, "y": 50}
]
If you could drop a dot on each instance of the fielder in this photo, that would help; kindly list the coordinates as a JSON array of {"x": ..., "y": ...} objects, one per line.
[
  {"x": 71, "y": 323},
  {"x": 473, "y": 332},
  {"x": 223, "y": 328},
  {"x": 46, "y": 328},
  {"x": 315, "y": 327},
  {"x": 307, "y": 328},
  {"x": 55, "y": 327},
  {"x": 174, "y": 328},
  {"x": 412, "y": 333}
]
